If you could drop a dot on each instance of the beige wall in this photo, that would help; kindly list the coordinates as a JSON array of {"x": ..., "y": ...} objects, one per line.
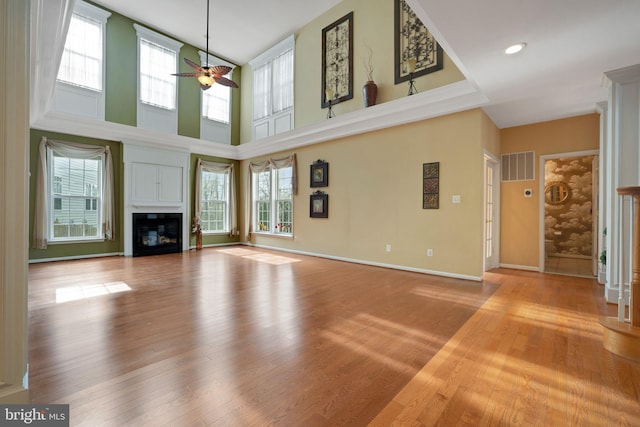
[
  {"x": 375, "y": 197},
  {"x": 372, "y": 28},
  {"x": 520, "y": 216}
]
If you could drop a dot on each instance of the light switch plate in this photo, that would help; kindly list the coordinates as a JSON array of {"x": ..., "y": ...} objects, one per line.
[{"x": 455, "y": 199}]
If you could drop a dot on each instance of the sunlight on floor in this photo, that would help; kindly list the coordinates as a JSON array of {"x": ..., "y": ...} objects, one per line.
[
  {"x": 74, "y": 293},
  {"x": 260, "y": 256}
]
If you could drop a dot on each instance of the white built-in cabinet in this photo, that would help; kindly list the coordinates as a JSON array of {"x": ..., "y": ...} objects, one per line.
[{"x": 158, "y": 185}]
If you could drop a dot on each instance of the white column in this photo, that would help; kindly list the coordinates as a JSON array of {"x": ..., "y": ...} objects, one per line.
[
  {"x": 14, "y": 198},
  {"x": 602, "y": 187},
  {"x": 622, "y": 170}
]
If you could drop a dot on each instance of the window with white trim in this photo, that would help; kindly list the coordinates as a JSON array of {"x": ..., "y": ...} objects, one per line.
[
  {"x": 80, "y": 81},
  {"x": 76, "y": 198},
  {"x": 157, "y": 87},
  {"x": 215, "y": 123},
  {"x": 273, "y": 83},
  {"x": 214, "y": 201},
  {"x": 273, "y": 201}
]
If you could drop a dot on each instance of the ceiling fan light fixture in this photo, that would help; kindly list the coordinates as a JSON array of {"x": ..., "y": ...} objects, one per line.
[
  {"x": 515, "y": 48},
  {"x": 206, "y": 81}
]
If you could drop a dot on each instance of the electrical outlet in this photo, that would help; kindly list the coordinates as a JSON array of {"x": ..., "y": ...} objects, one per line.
[
  {"x": 455, "y": 199},
  {"x": 388, "y": 248},
  {"x": 429, "y": 252}
]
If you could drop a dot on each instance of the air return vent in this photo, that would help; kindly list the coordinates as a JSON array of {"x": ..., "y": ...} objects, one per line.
[{"x": 518, "y": 166}]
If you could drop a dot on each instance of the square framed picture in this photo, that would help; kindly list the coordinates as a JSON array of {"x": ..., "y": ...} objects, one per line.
[
  {"x": 319, "y": 174},
  {"x": 319, "y": 205}
]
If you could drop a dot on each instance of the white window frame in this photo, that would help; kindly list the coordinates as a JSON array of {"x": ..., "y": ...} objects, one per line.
[
  {"x": 281, "y": 121},
  {"x": 225, "y": 229},
  {"x": 52, "y": 195},
  {"x": 152, "y": 116},
  {"x": 210, "y": 129},
  {"x": 274, "y": 227},
  {"x": 81, "y": 100}
]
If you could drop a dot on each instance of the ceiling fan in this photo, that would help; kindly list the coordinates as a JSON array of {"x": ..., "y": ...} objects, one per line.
[{"x": 208, "y": 75}]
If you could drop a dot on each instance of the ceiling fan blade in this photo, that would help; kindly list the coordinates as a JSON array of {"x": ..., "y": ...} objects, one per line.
[
  {"x": 193, "y": 64},
  {"x": 226, "y": 82},
  {"x": 219, "y": 70},
  {"x": 187, "y": 74}
]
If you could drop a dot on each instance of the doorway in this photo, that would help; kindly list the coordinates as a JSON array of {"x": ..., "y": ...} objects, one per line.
[
  {"x": 491, "y": 212},
  {"x": 569, "y": 213}
]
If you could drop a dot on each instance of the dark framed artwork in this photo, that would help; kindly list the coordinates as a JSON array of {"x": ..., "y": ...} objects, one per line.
[
  {"x": 319, "y": 205},
  {"x": 319, "y": 174},
  {"x": 337, "y": 61},
  {"x": 413, "y": 41},
  {"x": 431, "y": 185}
]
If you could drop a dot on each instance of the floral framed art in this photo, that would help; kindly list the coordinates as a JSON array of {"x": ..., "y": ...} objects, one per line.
[
  {"x": 337, "y": 61},
  {"x": 431, "y": 185},
  {"x": 319, "y": 174},
  {"x": 319, "y": 205}
]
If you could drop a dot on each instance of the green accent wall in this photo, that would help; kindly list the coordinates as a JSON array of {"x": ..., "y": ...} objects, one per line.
[
  {"x": 210, "y": 239},
  {"x": 121, "y": 82},
  {"x": 77, "y": 249}
]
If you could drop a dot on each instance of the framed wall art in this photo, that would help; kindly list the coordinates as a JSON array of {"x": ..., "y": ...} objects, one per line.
[
  {"x": 319, "y": 174},
  {"x": 319, "y": 205},
  {"x": 416, "y": 51},
  {"x": 431, "y": 185},
  {"x": 337, "y": 61}
]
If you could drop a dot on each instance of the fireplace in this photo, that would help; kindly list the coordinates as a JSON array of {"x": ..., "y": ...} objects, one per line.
[{"x": 157, "y": 233}]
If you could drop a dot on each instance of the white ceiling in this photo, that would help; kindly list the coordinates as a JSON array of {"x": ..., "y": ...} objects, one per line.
[{"x": 570, "y": 43}]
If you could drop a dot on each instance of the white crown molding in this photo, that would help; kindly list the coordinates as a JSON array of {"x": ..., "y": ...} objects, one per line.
[
  {"x": 448, "y": 99},
  {"x": 624, "y": 75}
]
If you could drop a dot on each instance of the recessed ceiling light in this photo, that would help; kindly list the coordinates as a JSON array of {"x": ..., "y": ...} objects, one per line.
[{"x": 515, "y": 48}]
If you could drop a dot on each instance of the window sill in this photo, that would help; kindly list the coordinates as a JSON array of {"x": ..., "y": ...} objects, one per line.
[
  {"x": 66, "y": 242},
  {"x": 215, "y": 233},
  {"x": 279, "y": 235}
]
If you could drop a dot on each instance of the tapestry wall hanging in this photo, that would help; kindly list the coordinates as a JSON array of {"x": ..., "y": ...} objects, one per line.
[
  {"x": 337, "y": 61},
  {"x": 430, "y": 185},
  {"x": 413, "y": 42}
]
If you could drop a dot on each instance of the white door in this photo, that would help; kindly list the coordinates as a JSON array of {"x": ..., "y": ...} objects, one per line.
[{"x": 491, "y": 238}]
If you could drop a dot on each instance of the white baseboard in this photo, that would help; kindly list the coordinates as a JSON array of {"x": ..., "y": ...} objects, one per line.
[
  {"x": 372, "y": 263},
  {"x": 520, "y": 267},
  {"x": 212, "y": 245},
  {"x": 68, "y": 258}
]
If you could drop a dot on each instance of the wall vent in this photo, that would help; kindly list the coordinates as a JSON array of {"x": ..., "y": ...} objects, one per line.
[{"x": 518, "y": 166}]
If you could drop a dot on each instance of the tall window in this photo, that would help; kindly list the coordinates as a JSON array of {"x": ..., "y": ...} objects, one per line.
[
  {"x": 273, "y": 200},
  {"x": 79, "y": 87},
  {"x": 81, "y": 63},
  {"x": 76, "y": 197},
  {"x": 216, "y": 106},
  {"x": 157, "y": 85},
  {"x": 273, "y": 82},
  {"x": 157, "y": 88},
  {"x": 214, "y": 205}
]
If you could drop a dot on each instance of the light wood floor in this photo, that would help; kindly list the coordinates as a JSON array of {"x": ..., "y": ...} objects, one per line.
[{"x": 239, "y": 336}]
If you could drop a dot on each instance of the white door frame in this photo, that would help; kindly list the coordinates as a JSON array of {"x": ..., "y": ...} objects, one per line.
[
  {"x": 494, "y": 259},
  {"x": 541, "y": 174}
]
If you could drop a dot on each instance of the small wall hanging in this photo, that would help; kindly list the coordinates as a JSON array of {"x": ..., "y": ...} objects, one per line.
[
  {"x": 416, "y": 50},
  {"x": 319, "y": 174},
  {"x": 431, "y": 185},
  {"x": 337, "y": 61},
  {"x": 319, "y": 205}
]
